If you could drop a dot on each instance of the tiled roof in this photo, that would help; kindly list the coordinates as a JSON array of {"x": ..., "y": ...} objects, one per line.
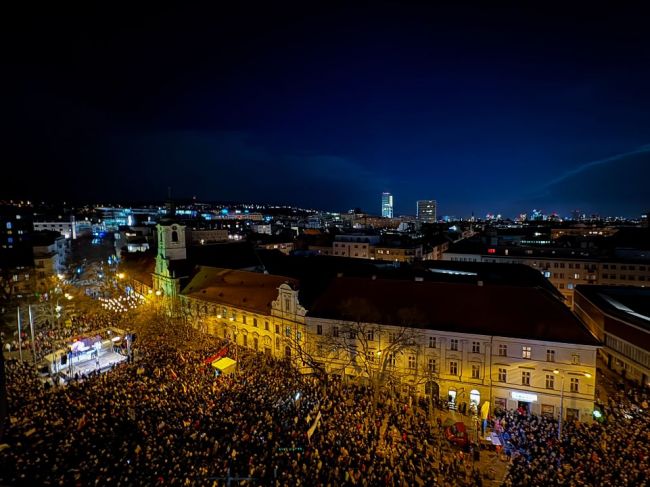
[
  {"x": 516, "y": 312},
  {"x": 247, "y": 290}
]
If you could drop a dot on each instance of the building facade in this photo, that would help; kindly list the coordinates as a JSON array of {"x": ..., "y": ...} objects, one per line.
[
  {"x": 387, "y": 205},
  {"x": 427, "y": 211},
  {"x": 564, "y": 271},
  {"x": 620, "y": 317}
]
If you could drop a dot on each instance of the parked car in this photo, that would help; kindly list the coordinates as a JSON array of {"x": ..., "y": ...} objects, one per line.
[{"x": 457, "y": 434}]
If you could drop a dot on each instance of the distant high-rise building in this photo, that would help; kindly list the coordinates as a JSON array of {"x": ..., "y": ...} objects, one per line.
[
  {"x": 426, "y": 211},
  {"x": 387, "y": 205}
]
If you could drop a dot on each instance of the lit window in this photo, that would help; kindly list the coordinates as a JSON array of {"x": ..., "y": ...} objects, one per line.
[
  {"x": 525, "y": 352},
  {"x": 370, "y": 336}
]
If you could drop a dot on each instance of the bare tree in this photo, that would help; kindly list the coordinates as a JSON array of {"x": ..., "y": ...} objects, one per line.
[{"x": 369, "y": 348}]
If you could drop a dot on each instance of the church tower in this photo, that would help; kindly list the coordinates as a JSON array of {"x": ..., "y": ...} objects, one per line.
[{"x": 171, "y": 249}]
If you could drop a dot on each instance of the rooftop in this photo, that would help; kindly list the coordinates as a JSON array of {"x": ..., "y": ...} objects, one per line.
[
  {"x": 248, "y": 290},
  {"x": 508, "y": 311}
]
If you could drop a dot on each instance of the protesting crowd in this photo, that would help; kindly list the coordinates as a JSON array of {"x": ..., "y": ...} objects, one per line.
[
  {"x": 49, "y": 337},
  {"x": 168, "y": 419},
  {"x": 613, "y": 453}
]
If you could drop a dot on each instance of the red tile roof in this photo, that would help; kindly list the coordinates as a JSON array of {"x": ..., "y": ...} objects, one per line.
[
  {"x": 506, "y": 311},
  {"x": 245, "y": 290}
]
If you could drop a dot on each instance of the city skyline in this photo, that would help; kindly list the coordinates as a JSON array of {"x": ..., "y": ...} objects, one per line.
[{"x": 492, "y": 110}]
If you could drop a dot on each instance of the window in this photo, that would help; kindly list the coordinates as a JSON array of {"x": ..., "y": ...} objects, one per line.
[
  {"x": 319, "y": 329},
  {"x": 266, "y": 325},
  {"x": 370, "y": 336},
  {"x": 255, "y": 322},
  {"x": 476, "y": 371},
  {"x": 525, "y": 378},
  {"x": 392, "y": 337},
  {"x": 550, "y": 355},
  {"x": 277, "y": 329},
  {"x": 575, "y": 384},
  {"x": 575, "y": 359},
  {"x": 287, "y": 331},
  {"x": 502, "y": 375},
  {"x": 476, "y": 347},
  {"x": 335, "y": 331},
  {"x": 453, "y": 344},
  {"x": 503, "y": 350},
  {"x": 411, "y": 361},
  {"x": 256, "y": 343},
  {"x": 243, "y": 319},
  {"x": 391, "y": 359},
  {"x": 277, "y": 343},
  {"x": 287, "y": 303},
  {"x": 431, "y": 366},
  {"x": 298, "y": 336},
  {"x": 287, "y": 351},
  {"x": 370, "y": 357},
  {"x": 245, "y": 341},
  {"x": 525, "y": 352},
  {"x": 453, "y": 367},
  {"x": 550, "y": 381},
  {"x": 174, "y": 236},
  {"x": 352, "y": 335},
  {"x": 432, "y": 342}
]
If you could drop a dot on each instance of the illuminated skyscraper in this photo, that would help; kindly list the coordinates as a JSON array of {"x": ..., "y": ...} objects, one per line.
[
  {"x": 426, "y": 211},
  {"x": 387, "y": 205}
]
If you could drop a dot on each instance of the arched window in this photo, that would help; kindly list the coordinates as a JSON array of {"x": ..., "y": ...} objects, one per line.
[
  {"x": 287, "y": 351},
  {"x": 174, "y": 236}
]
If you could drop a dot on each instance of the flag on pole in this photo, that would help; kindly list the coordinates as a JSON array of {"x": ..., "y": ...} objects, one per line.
[
  {"x": 20, "y": 335},
  {"x": 313, "y": 427},
  {"x": 31, "y": 327}
]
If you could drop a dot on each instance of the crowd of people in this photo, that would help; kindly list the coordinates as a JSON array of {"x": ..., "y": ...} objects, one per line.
[
  {"x": 615, "y": 452},
  {"x": 50, "y": 335},
  {"x": 168, "y": 419}
]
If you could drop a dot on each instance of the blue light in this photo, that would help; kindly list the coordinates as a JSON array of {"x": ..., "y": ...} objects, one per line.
[{"x": 224, "y": 211}]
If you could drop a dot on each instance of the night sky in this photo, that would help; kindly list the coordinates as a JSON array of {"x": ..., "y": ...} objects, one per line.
[{"x": 326, "y": 105}]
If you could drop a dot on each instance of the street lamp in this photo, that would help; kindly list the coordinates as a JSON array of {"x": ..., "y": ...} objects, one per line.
[{"x": 563, "y": 372}]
